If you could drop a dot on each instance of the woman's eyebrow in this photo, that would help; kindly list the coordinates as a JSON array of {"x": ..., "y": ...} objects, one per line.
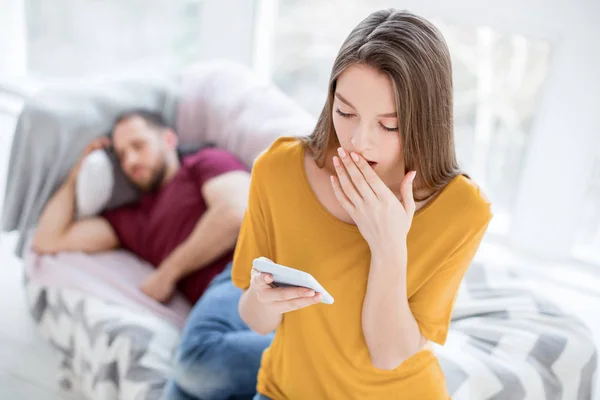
[
  {"x": 386, "y": 115},
  {"x": 343, "y": 100}
]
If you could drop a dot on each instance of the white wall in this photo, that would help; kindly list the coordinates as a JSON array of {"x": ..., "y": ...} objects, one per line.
[
  {"x": 227, "y": 30},
  {"x": 13, "y": 55}
]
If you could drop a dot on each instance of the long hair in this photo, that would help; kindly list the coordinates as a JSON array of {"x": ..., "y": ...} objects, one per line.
[{"x": 414, "y": 54}]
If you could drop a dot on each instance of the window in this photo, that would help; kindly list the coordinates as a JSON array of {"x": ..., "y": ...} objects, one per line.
[
  {"x": 73, "y": 37},
  {"x": 497, "y": 78},
  {"x": 587, "y": 240}
]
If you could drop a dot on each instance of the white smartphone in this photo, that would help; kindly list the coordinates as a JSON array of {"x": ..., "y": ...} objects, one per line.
[{"x": 286, "y": 276}]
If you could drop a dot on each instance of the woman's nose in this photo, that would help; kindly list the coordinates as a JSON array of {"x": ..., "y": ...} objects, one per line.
[{"x": 362, "y": 139}]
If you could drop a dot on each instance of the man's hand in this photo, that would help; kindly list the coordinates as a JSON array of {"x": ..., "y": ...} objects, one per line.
[
  {"x": 159, "y": 285},
  {"x": 98, "y": 143},
  {"x": 58, "y": 230}
]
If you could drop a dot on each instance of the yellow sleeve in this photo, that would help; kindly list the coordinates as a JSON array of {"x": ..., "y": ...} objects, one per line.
[
  {"x": 433, "y": 303},
  {"x": 253, "y": 241}
]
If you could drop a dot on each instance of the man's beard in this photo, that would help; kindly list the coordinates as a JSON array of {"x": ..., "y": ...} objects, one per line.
[{"x": 156, "y": 179}]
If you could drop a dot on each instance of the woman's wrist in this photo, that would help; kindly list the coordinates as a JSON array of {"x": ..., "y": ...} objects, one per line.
[
  {"x": 394, "y": 255},
  {"x": 258, "y": 317}
]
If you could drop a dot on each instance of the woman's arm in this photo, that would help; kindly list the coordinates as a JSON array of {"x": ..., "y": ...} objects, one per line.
[
  {"x": 389, "y": 325},
  {"x": 262, "y": 306},
  {"x": 390, "y": 329}
]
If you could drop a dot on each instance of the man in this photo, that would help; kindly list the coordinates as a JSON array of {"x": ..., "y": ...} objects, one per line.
[{"x": 186, "y": 224}]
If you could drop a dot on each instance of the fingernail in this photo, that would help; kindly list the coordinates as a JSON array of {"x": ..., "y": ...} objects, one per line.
[
  {"x": 354, "y": 156},
  {"x": 309, "y": 293},
  {"x": 414, "y": 174},
  {"x": 341, "y": 152},
  {"x": 267, "y": 278},
  {"x": 332, "y": 179},
  {"x": 336, "y": 161},
  {"x": 318, "y": 297}
]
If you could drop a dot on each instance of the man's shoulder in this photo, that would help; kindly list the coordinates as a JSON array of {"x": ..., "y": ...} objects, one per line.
[
  {"x": 213, "y": 158},
  {"x": 210, "y": 155},
  {"x": 211, "y": 162}
]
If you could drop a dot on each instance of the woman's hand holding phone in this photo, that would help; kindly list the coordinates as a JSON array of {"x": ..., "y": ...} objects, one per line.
[{"x": 281, "y": 299}]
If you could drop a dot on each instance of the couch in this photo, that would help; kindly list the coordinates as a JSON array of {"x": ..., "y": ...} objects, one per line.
[{"x": 505, "y": 342}]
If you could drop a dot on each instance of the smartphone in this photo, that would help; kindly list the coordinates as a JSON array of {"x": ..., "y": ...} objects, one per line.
[{"x": 286, "y": 276}]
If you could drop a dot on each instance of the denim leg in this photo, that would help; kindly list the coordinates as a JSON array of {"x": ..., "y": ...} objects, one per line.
[
  {"x": 218, "y": 356},
  {"x": 260, "y": 397}
]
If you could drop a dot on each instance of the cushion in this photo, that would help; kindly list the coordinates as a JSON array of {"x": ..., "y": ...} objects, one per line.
[
  {"x": 102, "y": 185},
  {"x": 227, "y": 104}
]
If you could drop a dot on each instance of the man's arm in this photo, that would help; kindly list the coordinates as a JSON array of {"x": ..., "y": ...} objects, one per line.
[
  {"x": 215, "y": 233},
  {"x": 59, "y": 231}
]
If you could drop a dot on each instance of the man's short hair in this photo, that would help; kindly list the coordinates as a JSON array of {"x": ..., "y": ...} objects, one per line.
[{"x": 152, "y": 118}]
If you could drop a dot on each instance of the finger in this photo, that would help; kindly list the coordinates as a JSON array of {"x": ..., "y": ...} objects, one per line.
[
  {"x": 356, "y": 176},
  {"x": 260, "y": 280},
  {"x": 100, "y": 142},
  {"x": 371, "y": 177},
  {"x": 272, "y": 295},
  {"x": 90, "y": 149},
  {"x": 340, "y": 195},
  {"x": 345, "y": 182},
  {"x": 406, "y": 192},
  {"x": 103, "y": 142},
  {"x": 297, "y": 304}
]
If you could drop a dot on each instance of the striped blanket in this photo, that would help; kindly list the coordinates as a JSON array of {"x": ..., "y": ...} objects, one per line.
[{"x": 505, "y": 343}]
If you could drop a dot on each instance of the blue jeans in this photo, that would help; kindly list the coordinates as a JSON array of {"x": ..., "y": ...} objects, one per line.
[
  {"x": 219, "y": 356},
  {"x": 260, "y": 397}
]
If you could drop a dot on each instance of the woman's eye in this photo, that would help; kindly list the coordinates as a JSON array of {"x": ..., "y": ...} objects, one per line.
[
  {"x": 388, "y": 129},
  {"x": 344, "y": 115}
]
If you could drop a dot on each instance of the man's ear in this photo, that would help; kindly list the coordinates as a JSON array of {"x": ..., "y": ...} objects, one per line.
[{"x": 171, "y": 138}]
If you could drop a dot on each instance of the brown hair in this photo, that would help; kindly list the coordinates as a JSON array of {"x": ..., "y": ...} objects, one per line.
[{"x": 413, "y": 53}]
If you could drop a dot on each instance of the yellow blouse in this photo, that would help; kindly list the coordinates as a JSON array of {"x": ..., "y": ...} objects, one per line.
[{"x": 320, "y": 352}]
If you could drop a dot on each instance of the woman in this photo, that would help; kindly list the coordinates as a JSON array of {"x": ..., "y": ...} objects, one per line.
[{"x": 375, "y": 207}]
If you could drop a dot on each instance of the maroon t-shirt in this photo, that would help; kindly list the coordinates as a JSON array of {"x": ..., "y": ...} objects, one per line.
[{"x": 153, "y": 227}]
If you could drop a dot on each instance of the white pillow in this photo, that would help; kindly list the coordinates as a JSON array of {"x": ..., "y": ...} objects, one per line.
[{"x": 95, "y": 183}]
